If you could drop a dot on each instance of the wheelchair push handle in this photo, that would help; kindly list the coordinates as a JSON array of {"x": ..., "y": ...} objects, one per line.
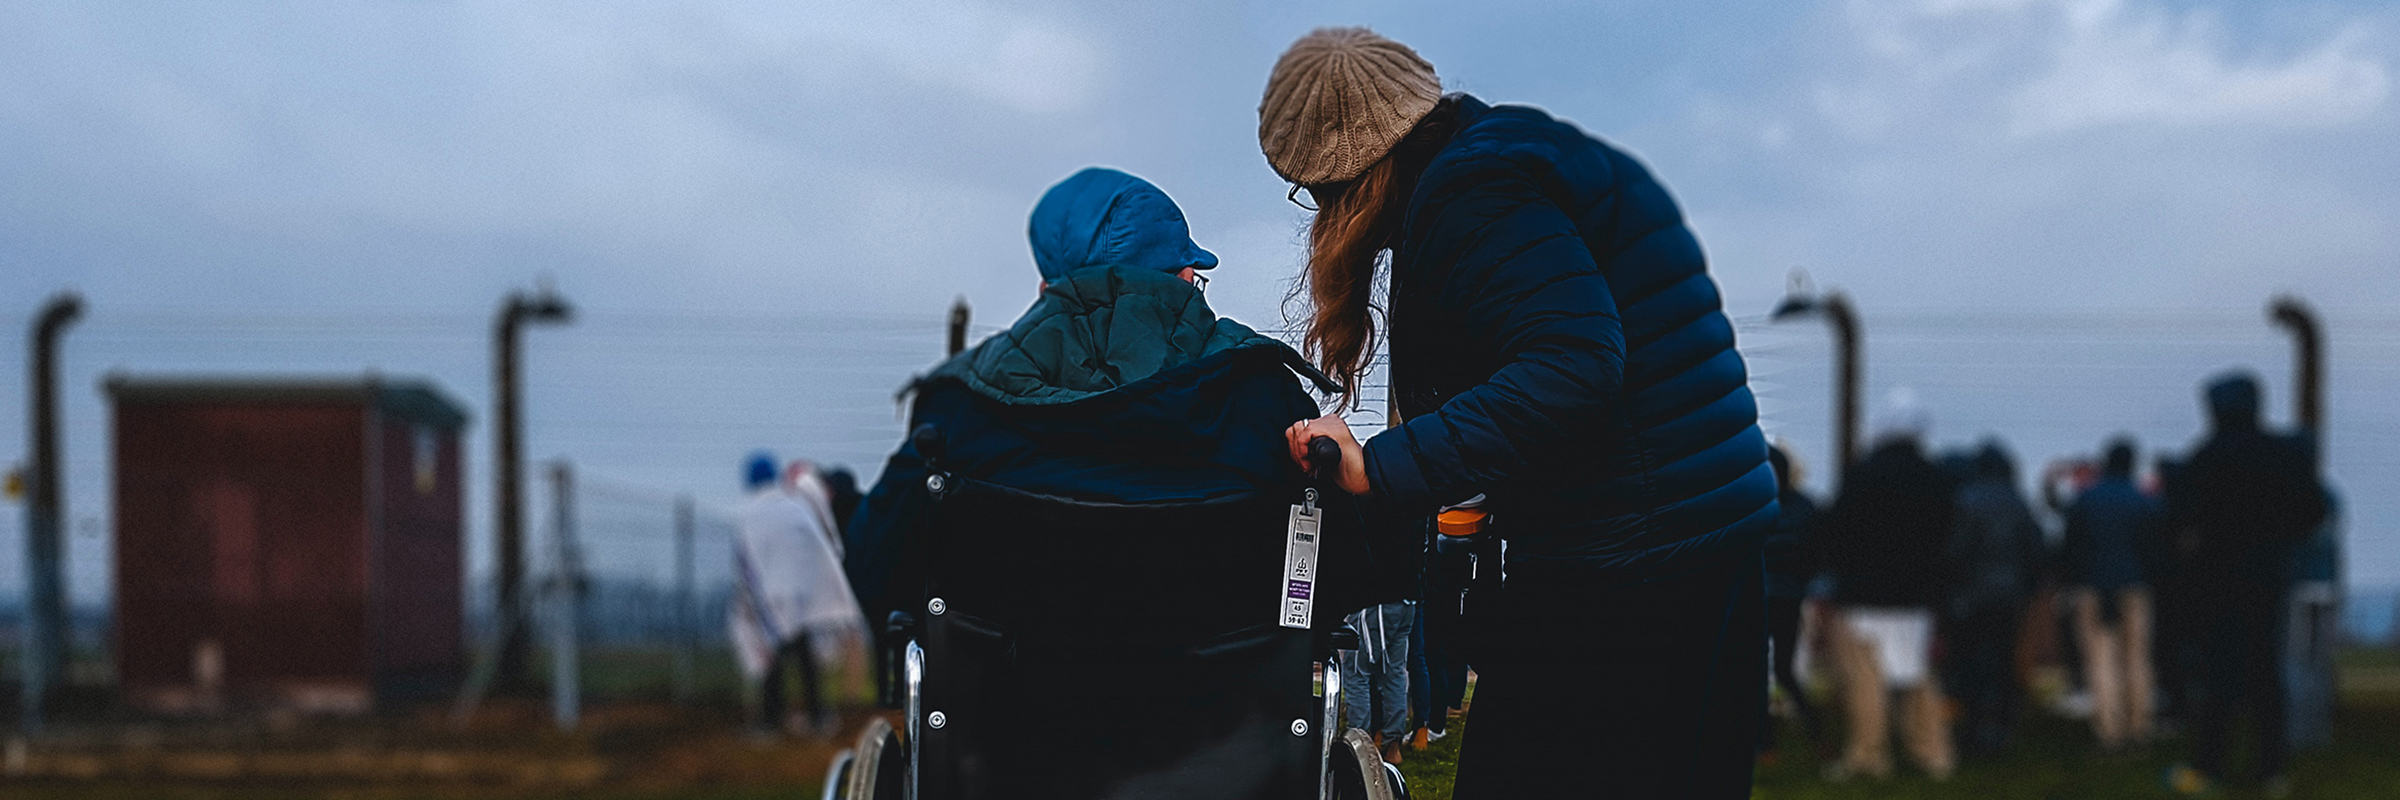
[{"x": 1324, "y": 459}]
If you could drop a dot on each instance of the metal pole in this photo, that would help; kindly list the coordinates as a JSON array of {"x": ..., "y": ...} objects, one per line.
[
  {"x": 1848, "y": 362},
  {"x": 2315, "y": 598},
  {"x": 45, "y": 580},
  {"x": 2308, "y": 363},
  {"x": 508, "y": 473},
  {"x": 1846, "y": 338},
  {"x": 685, "y": 666},
  {"x": 508, "y": 476},
  {"x": 958, "y": 326},
  {"x": 566, "y": 693}
]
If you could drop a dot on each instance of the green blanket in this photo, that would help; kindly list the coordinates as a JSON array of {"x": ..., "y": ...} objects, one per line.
[{"x": 1101, "y": 328}]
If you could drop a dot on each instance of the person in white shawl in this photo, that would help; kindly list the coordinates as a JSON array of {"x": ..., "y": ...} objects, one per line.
[{"x": 791, "y": 602}]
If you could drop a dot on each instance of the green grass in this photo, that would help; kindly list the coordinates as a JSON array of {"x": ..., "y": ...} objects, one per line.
[
  {"x": 1429, "y": 771},
  {"x": 2055, "y": 759}
]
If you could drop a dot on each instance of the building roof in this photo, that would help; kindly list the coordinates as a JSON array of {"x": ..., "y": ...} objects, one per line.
[{"x": 416, "y": 399}]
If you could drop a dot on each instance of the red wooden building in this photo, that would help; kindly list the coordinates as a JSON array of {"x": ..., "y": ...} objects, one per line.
[{"x": 286, "y": 543}]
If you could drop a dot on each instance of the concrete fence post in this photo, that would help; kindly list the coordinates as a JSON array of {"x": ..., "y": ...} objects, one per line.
[
  {"x": 685, "y": 675},
  {"x": 566, "y": 690}
]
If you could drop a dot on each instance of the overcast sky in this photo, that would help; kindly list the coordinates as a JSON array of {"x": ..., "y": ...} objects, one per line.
[{"x": 763, "y": 209}]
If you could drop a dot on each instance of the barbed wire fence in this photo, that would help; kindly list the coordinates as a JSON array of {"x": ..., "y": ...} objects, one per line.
[
  {"x": 644, "y": 400},
  {"x": 653, "y": 573},
  {"x": 637, "y": 589}
]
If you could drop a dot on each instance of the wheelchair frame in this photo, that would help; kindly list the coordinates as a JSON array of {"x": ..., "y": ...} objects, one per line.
[{"x": 1349, "y": 767}]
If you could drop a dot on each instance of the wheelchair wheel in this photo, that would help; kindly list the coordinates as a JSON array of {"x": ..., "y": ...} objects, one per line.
[
  {"x": 1358, "y": 769},
  {"x": 878, "y": 766},
  {"x": 837, "y": 776},
  {"x": 1399, "y": 782}
]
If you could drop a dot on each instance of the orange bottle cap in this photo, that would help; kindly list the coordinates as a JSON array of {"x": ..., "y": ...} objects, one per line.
[{"x": 1460, "y": 521}]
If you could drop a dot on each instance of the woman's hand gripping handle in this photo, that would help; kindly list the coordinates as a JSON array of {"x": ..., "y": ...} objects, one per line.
[{"x": 1325, "y": 448}]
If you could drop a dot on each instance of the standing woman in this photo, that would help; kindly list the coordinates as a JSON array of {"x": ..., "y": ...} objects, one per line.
[{"x": 1558, "y": 346}]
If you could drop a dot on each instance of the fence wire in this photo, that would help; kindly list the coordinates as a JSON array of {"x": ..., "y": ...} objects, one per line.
[
  {"x": 675, "y": 399},
  {"x": 652, "y": 573}
]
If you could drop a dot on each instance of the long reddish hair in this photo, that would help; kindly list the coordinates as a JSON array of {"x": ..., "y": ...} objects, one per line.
[{"x": 1357, "y": 221}]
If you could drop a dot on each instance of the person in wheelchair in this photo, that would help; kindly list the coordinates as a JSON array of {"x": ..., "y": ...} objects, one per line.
[{"x": 1073, "y": 553}]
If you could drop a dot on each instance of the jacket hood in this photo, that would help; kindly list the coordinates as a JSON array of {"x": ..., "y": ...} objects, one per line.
[
  {"x": 1100, "y": 329},
  {"x": 2233, "y": 402},
  {"x": 1103, "y": 217}
]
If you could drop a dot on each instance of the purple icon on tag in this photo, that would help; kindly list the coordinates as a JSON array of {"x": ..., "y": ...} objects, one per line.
[{"x": 1298, "y": 591}]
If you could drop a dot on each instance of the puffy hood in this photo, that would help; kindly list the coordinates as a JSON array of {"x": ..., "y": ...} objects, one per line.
[
  {"x": 1100, "y": 329},
  {"x": 2233, "y": 402},
  {"x": 1103, "y": 217}
]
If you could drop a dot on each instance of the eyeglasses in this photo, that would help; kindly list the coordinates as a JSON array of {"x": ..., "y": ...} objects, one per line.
[{"x": 1294, "y": 197}]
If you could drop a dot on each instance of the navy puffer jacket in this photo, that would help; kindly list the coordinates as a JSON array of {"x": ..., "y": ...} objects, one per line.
[{"x": 1557, "y": 344}]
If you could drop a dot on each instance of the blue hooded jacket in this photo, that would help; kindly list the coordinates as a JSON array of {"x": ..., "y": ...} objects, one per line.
[
  {"x": 1557, "y": 344},
  {"x": 1102, "y": 217}
]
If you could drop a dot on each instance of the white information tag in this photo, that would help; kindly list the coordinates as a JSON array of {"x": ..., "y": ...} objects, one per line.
[{"x": 1300, "y": 566}]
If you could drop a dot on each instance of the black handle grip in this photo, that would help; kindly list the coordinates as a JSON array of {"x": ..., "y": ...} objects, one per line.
[{"x": 1324, "y": 458}]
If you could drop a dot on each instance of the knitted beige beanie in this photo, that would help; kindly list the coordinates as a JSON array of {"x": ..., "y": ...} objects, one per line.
[{"x": 1338, "y": 100}]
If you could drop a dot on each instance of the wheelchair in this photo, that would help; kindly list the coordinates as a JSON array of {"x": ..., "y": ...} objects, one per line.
[{"x": 1063, "y": 648}]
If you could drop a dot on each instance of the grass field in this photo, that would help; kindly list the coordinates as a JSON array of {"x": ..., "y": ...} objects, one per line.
[
  {"x": 657, "y": 752},
  {"x": 2054, "y": 759}
]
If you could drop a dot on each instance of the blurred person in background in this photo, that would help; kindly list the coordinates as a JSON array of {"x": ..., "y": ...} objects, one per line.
[
  {"x": 790, "y": 597},
  {"x": 1789, "y": 556},
  {"x": 1627, "y": 654},
  {"x": 2050, "y": 621},
  {"x": 1999, "y": 552},
  {"x": 1437, "y": 676},
  {"x": 805, "y": 481},
  {"x": 1420, "y": 684},
  {"x": 2112, "y": 528},
  {"x": 1375, "y": 688},
  {"x": 2310, "y": 669},
  {"x": 843, "y": 486},
  {"x": 2247, "y": 498},
  {"x": 2177, "y": 641},
  {"x": 1441, "y": 636},
  {"x": 1885, "y": 540}
]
